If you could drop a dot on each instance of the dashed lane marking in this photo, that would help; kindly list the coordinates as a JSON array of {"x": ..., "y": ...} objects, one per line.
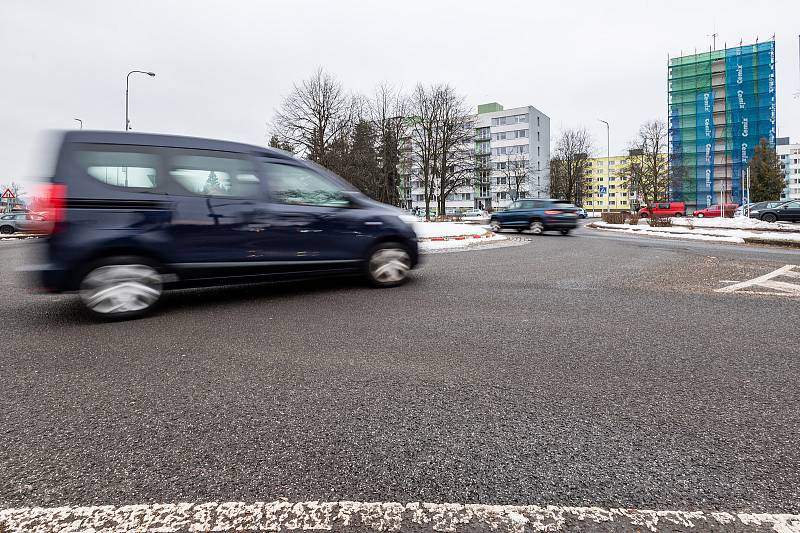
[
  {"x": 768, "y": 281},
  {"x": 379, "y": 516}
]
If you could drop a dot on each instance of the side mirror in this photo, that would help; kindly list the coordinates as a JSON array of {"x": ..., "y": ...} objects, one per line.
[{"x": 352, "y": 198}]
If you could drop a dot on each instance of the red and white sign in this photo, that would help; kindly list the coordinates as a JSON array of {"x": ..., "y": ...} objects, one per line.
[{"x": 8, "y": 194}]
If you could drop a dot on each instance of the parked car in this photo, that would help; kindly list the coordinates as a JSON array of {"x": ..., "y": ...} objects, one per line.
[
  {"x": 664, "y": 209},
  {"x": 537, "y": 215},
  {"x": 475, "y": 215},
  {"x": 740, "y": 211},
  {"x": 715, "y": 210},
  {"x": 23, "y": 223},
  {"x": 135, "y": 214},
  {"x": 788, "y": 211},
  {"x": 581, "y": 212}
]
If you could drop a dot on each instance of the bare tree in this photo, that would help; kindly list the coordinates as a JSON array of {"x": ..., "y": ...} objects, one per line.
[
  {"x": 314, "y": 115},
  {"x": 442, "y": 138},
  {"x": 647, "y": 169},
  {"x": 569, "y": 165},
  {"x": 515, "y": 171},
  {"x": 388, "y": 110}
]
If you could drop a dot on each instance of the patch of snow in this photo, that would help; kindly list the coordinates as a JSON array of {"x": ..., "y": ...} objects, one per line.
[
  {"x": 705, "y": 234},
  {"x": 425, "y": 246},
  {"x": 735, "y": 223},
  {"x": 686, "y": 234},
  {"x": 427, "y": 230}
]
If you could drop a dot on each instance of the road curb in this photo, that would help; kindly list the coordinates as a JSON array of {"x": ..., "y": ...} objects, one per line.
[
  {"x": 456, "y": 237},
  {"x": 377, "y": 516}
]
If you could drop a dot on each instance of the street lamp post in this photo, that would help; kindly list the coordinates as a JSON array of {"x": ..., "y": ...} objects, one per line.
[
  {"x": 127, "y": 86},
  {"x": 608, "y": 162},
  {"x": 79, "y": 122}
]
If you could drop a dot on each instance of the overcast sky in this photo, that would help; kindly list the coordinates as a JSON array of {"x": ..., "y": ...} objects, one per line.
[{"x": 223, "y": 66}]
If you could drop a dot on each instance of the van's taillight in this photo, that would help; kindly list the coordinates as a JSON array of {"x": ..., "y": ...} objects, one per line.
[
  {"x": 552, "y": 212},
  {"x": 54, "y": 200}
]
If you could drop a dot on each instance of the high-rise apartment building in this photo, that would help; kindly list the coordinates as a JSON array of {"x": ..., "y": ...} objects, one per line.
[{"x": 721, "y": 104}]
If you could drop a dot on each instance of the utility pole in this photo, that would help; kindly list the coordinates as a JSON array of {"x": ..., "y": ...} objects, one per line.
[
  {"x": 608, "y": 163},
  {"x": 797, "y": 94}
]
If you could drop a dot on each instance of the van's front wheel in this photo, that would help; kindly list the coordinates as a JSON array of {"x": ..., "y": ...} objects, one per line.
[
  {"x": 388, "y": 265},
  {"x": 120, "y": 288}
]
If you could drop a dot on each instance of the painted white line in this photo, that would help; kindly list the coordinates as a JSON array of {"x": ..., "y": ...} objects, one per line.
[
  {"x": 782, "y": 286},
  {"x": 378, "y": 516},
  {"x": 757, "y": 281}
]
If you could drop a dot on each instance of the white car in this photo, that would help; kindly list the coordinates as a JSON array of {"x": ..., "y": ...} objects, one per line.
[{"x": 475, "y": 215}]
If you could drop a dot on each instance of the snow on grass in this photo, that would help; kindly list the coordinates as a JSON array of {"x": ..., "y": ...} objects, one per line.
[
  {"x": 738, "y": 236},
  {"x": 453, "y": 236},
  {"x": 426, "y": 246},
  {"x": 427, "y": 230},
  {"x": 735, "y": 223}
]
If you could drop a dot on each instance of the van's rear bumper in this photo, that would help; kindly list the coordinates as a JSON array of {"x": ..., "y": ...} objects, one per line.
[{"x": 44, "y": 277}]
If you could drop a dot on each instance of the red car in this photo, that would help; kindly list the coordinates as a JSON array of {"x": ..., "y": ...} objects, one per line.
[
  {"x": 715, "y": 211},
  {"x": 665, "y": 209}
]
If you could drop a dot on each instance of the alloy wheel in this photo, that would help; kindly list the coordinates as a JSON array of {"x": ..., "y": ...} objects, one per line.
[{"x": 536, "y": 227}]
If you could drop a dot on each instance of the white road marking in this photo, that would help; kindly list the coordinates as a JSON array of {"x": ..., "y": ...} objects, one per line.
[
  {"x": 768, "y": 281},
  {"x": 377, "y": 516}
]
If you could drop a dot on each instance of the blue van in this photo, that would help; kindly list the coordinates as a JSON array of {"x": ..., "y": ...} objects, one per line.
[{"x": 134, "y": 214}]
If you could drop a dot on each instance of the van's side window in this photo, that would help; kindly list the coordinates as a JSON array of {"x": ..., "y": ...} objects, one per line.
[
  {"x": 120, "y": 169},
  {"x": 289, "y": 184},
  {"x": 215, "y": 176}
]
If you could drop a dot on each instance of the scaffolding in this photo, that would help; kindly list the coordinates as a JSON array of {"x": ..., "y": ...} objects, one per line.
[{"x": 721, "y": 104}]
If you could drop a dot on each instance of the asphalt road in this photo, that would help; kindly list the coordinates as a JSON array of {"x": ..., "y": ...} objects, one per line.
[{"x": 583, "y": 370}]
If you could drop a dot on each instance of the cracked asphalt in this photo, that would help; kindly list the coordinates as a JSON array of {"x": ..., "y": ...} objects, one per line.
[{"x": 583, "y": 370}]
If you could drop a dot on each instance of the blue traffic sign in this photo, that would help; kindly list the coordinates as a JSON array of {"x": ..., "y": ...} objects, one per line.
[{"x": 603, "y": 190}]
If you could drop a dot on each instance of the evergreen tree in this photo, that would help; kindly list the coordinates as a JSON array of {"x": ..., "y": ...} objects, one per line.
[
  {"x": 212, "y": 184},
  {"x": 766, "y": 176},
  {"x": 364, "y": 169},
  {"x": 280, "y": 144}
]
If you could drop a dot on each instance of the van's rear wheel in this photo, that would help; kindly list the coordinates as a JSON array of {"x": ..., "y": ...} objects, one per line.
[
  {"x": 7, "y": 230},
  {"x": 120, "y": 288},
  {"x": 388, "y": 265}
]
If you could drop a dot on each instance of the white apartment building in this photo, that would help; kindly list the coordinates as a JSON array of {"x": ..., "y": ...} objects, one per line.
[
  {"x": 789, "y": 155},
  {"x": 511, "y": 145}
]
